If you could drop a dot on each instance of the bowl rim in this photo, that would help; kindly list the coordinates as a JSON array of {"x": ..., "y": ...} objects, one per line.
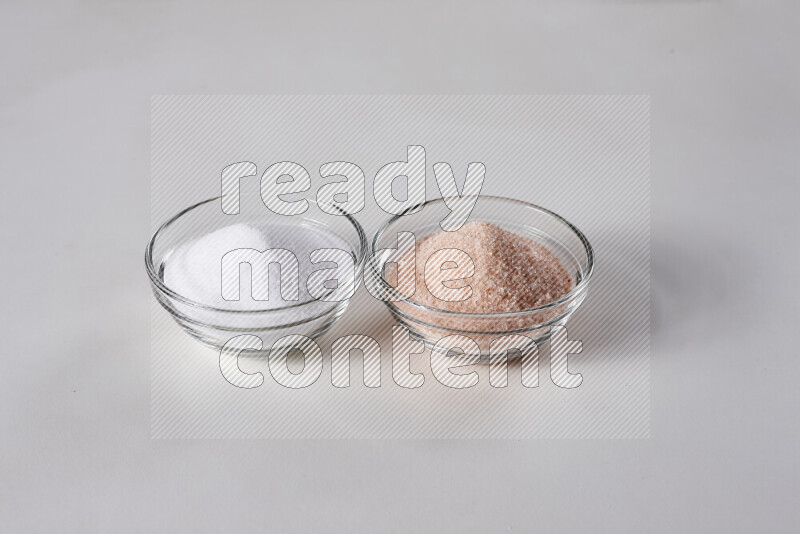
[
  {"x": 161, "y": 286},
  {"x": 580, "y": 287}
]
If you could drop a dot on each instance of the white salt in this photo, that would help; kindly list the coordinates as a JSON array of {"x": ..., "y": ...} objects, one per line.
[{"x": 194, "y": 269}]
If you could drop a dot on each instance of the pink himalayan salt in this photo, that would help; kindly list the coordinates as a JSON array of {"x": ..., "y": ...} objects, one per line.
[{"x": 512, "y": 273}]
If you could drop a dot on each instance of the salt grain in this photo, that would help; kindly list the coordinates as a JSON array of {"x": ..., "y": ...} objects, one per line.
[
  {"x": 194, "y": 269},
  {"x": 512, "y": 273}
]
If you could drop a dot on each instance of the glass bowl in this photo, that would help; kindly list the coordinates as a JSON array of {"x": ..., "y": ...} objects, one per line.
[
  {"x": 430, "y": 324},
  {"x": 214, "y": 324}
]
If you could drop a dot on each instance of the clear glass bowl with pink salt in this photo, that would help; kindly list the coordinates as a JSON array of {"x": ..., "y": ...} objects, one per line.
[{"x": 532, "y": 270}]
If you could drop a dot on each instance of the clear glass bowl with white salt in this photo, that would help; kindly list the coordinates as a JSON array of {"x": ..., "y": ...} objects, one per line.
[
  {"x": 527, "y": 222},
  {"x": 184, "y": 264}
]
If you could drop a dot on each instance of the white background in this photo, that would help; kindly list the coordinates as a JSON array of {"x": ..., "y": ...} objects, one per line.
[{"x": 74, "y": 156}]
